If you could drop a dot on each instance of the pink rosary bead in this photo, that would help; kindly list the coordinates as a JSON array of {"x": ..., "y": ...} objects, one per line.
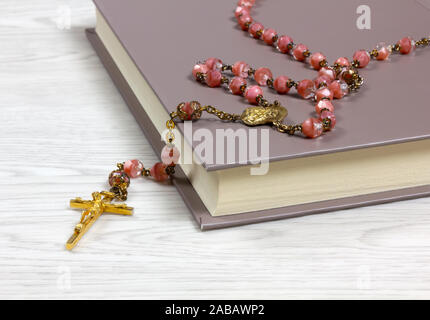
[
  {"x": 383, "y": 52},
  {"x": 214, "y": 64},
  {"x": 328, "y": 73},
  {"x": 407, "y": 45},
  {"x": 200, "y": 68},
  {"x": 323, "y": 93},
  {"x": 240, "y": 69},
  {"x": 363, "y": 58},
  {"x": 244, "y": 21},
  {"x": 343, "y": 62},
  {"x": 306, "y": 89},
  {"x": 312, "y": 128},
  {"x": 339, "y": 89},
  {"x": 256, "y": 29},
  {"x": 133, "y": 168},
  {"x": 213, "y": 78},
  {"x": 188, "y": 109},
  {"x": 236, "y": 85},
  {"x": 261, "y": 76},
  {"x": 316, "y": 59},
  {"x": 170, "y": 155},
  {"x": 240, "y": 11},
  {"x": 281, "y": 84},
  {"x": 158, "y": 172},
  {"x": 322, "y": 80},
  {"x": 324, "y": 104},
  {"x": 246, "y": 3},
  {"x": 252, "y": 93},
  {"x": 299, "y": 52},
  {"x": 329, "y": 115},
  {"x": 269, "y": 36},
  {"x": 284, "y": 44}
]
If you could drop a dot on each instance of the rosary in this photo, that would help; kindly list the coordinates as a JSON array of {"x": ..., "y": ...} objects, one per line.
[{"x": 333, "y": 82}]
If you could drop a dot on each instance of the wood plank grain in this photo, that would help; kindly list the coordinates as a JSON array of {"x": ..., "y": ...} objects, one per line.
[{"x": 64, "y": 126}]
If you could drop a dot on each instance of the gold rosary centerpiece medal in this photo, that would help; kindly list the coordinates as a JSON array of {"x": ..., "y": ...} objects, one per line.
[{"x": 255, "y": 116}]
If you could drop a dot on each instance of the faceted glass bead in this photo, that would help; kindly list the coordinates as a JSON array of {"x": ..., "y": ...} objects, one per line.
[
  {"x": 312, "y": 128},
  {"x": 117, "y": 178},
  {"x": 246, "y": 3},
  {"x": 269, "y": 36},
  {"x": 322, "y": 81},
  {"x": 323, "y": 93},
  {"x": 384, "y": 51},
  {"x": 254, "y": 30},
  {"x": 316, "y": 59},
  {"x": 244, "y": 21},
  {"x": 363, "y": 57},
  {"x": 213, "y": 78},
  {"x": 262, "y": 75},
  {"x": 200, "y": 68},
  {"x": 283, "y": 44},
  {"x": 407, "y": 45},
  {"x": 158, "y": 172},
  {"x": 281, "y": 84},
  {"x": 188, "y": 109},
  {"x": 240, "y": 69},
  {"x": 339, "y": 88},
  {"x": 306, "y": 89},
  {"x": 329, "y": 115},
  {"x": 328, "y": 72},
  {"x": 133, "y": 168},
  {"x": 299, "y": 52},
  {"x": 214, "y": 64},
  {"x": 252, "y": 93},
  {"x": 170, "y": 155},
  {"x": 235, "y": 85},
  {"x": 343, "y": 61},
  {"x": 324, "y": 104},
  {"x": 240, "y": 11}
]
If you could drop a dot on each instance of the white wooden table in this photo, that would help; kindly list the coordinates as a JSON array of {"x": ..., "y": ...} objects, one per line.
[{"x": 64, "y": 126}]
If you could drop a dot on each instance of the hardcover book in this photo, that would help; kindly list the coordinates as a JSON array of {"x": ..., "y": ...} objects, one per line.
[{"x": 379, "y": 151}]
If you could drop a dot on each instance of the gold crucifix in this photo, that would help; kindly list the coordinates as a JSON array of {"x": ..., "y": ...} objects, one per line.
[{"x": 93, "y": 209}]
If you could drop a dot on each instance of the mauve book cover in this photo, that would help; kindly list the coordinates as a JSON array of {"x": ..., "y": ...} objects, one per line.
[
  {"x": 166, "y": 39},
  {"x": 390, "y": 108}
]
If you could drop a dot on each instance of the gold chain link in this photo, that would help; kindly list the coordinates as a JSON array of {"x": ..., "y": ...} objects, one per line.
[
  {"x": 224, "y": 116},
  {"x": 285, "y": 128},
  {"x": 170, "y": 136}
]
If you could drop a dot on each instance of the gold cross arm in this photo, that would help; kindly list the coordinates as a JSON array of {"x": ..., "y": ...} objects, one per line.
[
  {"x": 93, "y": 209},
  {"x": 122, "y": 209}
]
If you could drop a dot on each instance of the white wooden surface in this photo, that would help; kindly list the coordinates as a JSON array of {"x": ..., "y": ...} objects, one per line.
[{"x": 64, "y": 126}]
